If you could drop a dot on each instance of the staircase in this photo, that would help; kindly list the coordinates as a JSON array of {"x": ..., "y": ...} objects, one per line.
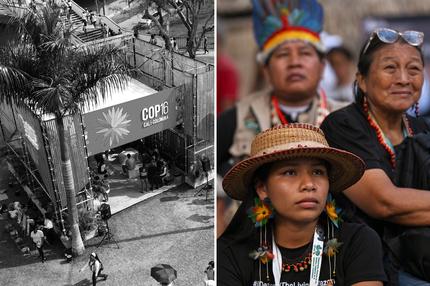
[
  {"x": 77, "y": 23},
  {"x": 74, "y": 19},
  {"x": 91, "y": 34}
]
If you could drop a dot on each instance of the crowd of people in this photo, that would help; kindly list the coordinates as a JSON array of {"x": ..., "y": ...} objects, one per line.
[{"x": 332, "y": 184}]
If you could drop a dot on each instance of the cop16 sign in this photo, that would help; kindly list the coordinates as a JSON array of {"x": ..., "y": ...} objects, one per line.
[{"x": 155, "y": 113}]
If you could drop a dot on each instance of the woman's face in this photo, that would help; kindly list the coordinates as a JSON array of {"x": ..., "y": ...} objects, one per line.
[
  {"x": 297, "y": 188},
  {"x": 395, "y": 78}
]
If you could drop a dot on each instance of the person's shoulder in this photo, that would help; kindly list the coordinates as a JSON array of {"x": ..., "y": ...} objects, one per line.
[
  {"x": 247, "y": 99},
  {"x": 334, "y": 105},
  {"x": 343, "y": 112},
  {"x": 225, "y": 243},
  {"x": 419, "y": 124},
  {"x": 350, "y": 230},
  {"x": 348, "y": 117}
]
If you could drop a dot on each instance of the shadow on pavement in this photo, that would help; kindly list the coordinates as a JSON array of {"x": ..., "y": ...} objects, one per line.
[
  {"x": 169, "y": 199},
  {"x": 153, "y": 235},
  {"x": 200, "y": 218},
  {"x": 201, "y": 202},
  {"x": 84, "y": 282}
]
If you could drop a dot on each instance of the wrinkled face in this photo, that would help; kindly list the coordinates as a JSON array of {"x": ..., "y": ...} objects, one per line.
[
  {"x": 297, "y": 189},
  {"x": 395, "y": 78},
  {"x": 294, "y": 70}
]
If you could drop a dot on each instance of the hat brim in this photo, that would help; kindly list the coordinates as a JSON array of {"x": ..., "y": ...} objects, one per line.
[{"x": 345, "y": 168}]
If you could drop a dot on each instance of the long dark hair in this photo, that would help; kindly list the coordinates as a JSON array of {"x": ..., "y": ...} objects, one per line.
[
  {"x": 241, "y": 226},
  {"x": 366, "y": 59}
]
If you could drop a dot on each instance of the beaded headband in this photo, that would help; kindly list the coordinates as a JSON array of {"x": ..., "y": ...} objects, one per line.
[{"x": 278, "y": 21}]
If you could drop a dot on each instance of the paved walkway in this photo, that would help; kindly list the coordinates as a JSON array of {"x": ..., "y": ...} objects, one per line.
[
  {"x": 129, "y": 194},
  {"x": 175, "y": 227}
]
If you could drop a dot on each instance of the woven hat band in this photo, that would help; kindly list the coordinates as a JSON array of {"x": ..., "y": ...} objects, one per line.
[
  {"x": 281, "y": 136},
  {"x": 287, "y": 146}
]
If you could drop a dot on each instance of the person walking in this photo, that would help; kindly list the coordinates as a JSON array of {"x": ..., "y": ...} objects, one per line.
[
  {"x": 205, "y": 44},
  {"x": 129, "y": 164},
  {"x": 210, "y": 274},
  {"x": 38, "y": 239},
  {"x": 143, "y": 172},
  {"x": 67, "y": 242},
  {"x": 96, "y": 267},
  {"x": 153, "y": 41},
  {"x": 48, "y": 229},
  {"x": 93, "y": 19}
]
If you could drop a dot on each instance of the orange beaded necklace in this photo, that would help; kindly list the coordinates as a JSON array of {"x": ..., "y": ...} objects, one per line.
[{"x": 382, "y": 139}]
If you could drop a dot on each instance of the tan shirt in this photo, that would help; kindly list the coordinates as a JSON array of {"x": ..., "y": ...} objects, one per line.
[{"x": 259, "y": 105}]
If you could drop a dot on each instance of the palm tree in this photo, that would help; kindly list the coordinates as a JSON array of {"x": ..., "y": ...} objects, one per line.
[{"x": 56, "y": 77}]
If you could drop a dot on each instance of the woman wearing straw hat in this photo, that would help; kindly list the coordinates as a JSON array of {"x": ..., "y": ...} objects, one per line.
[{"x": 293, "y": 234}]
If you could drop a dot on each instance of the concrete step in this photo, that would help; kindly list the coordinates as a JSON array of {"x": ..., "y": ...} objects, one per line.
[{"x": 91, "y": 35}]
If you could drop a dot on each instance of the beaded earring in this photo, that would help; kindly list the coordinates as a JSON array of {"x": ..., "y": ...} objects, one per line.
[
  {"x": 260, "y": 214},
  {"x": 332, "y": 246}
]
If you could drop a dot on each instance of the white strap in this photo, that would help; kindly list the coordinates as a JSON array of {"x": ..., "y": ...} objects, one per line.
[
  {"x": 317, "y": 250},
  {"x": 277, "y": 262}
]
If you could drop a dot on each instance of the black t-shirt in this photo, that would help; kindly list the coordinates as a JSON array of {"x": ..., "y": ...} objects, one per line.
[
  {"x": 359, "y": 259},
  {"x": 348, "y": 129}
]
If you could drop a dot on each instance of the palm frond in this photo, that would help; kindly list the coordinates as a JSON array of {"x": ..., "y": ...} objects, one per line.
[
  {"x": 60, "y": 76},
  {"x": 12, "y": 80}
]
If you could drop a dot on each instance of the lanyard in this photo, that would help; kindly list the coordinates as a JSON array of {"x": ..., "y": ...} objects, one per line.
[
  {"x": 316, "y": 260},
  {"x": 317, "y": 250}
]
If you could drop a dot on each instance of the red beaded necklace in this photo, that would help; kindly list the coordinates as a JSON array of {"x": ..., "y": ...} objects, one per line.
[
  {"x": 380, "y": 135},
  {"x": 281, "y": 116},
  {"x": 301, "y": 265}
]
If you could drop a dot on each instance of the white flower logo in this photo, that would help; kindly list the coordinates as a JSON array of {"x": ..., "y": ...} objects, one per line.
[{"x": 114, "y": 124}]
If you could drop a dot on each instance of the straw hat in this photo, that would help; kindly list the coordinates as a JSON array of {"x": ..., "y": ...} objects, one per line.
[{"x": 291, "y": 141}]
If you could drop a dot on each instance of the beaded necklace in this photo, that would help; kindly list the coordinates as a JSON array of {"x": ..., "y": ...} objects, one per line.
[
  {"x": 382, "y": 139},
  {"x": 322, "y": 111},
  {"x": 301, "y": 265}
]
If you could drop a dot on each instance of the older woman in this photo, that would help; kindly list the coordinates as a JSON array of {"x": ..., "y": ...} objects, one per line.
[{"x": 388, "y": 82}]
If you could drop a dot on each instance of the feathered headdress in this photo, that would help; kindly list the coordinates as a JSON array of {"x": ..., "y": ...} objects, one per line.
[{"x": 277, "y": 21}]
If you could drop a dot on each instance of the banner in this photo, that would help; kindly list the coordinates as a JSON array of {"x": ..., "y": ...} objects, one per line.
[{"x": 126, "y": 122}]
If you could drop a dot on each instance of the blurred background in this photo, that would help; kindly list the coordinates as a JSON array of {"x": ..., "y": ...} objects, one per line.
[{"x": 347, "y": 25}]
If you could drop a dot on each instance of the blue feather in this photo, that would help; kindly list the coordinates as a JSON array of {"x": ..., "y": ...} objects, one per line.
[{"x": 302, "y": 13}]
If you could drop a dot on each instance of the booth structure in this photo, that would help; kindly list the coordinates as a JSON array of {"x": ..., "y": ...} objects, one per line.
[
  {"x": 137, "y": 112},
  {"x": 170, "y": 106}
]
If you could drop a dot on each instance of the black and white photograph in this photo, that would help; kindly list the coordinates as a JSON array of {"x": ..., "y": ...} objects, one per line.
[{"x": 107, "y": 142}]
